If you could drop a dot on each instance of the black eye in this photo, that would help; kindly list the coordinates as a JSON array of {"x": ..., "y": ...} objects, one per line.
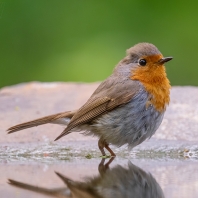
[{"x": 142, "y": 62}]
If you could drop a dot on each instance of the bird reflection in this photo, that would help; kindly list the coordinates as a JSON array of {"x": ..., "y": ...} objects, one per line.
[{"x": 117, "y": 182}]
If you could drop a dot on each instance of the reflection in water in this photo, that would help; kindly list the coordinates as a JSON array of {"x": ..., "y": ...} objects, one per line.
[{"x": 110, "y": 183}]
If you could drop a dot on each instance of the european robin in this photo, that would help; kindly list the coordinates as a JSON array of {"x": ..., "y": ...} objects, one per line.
[
  {"x": 126, "y": 108},
  {"x": 119, "y": 181}
]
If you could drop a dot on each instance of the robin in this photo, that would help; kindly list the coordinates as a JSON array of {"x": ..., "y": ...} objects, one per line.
[
  {"x": 119, "y": 181},
  {"x": 126, "y": 108}
]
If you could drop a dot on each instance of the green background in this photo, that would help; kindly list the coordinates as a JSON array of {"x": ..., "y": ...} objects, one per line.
[{"x": 82, "y": 40}]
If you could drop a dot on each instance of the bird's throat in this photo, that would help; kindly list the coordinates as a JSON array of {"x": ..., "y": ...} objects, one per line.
[{"x": 156, "y": 84}]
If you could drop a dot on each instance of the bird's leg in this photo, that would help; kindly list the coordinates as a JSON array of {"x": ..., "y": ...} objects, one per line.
[
  {"x": 103, "y": 144},
  {"x": 110, "y": 151},
  {"x": 103, "y": 167}
]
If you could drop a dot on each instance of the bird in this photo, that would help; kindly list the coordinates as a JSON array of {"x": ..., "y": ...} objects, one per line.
[
  {"x": 126, "y": 108},
  {"x": 120, "y": 181}
]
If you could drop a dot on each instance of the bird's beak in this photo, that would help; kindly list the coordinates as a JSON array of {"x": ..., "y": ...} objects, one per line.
[{"x": 164, "y": 60}]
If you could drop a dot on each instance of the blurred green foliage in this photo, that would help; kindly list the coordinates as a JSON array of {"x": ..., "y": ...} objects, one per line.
[{"x": 82, "y": 40}]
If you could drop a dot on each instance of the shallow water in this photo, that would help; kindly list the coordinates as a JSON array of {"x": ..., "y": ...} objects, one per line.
[{"x": 173, "y": 170}]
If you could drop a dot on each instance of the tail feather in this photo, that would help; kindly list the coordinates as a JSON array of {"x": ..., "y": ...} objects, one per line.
[
  {"x": 59, "y": 192},
  {"x": 44, "y": 120}
]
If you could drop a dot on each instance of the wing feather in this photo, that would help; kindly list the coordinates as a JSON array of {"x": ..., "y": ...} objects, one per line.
[{"x": 102, "y": 101}]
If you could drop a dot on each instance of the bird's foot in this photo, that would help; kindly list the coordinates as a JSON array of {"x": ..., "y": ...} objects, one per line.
[{"x": 105, "y": 156}]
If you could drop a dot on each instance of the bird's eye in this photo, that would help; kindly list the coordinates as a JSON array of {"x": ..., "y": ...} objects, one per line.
[{"x": 142, "y": 62}]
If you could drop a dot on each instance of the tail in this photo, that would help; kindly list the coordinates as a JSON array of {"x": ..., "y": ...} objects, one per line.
[
  {"x": 58, "y": 192},
  {"x": 59, "y": 118}
]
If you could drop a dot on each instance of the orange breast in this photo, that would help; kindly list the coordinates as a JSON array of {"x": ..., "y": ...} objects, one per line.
[{"x": 154, "y": 79}]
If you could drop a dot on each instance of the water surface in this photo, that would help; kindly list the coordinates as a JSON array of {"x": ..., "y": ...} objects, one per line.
[{"x": 76, "y": 170}]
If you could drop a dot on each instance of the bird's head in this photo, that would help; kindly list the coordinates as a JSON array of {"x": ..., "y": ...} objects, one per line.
[
  {"x": 144, "y": 57},
  {"x": 145, "y": 63}
]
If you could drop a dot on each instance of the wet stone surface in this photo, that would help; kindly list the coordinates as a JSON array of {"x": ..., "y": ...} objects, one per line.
[{"x": 31, "y": 156}]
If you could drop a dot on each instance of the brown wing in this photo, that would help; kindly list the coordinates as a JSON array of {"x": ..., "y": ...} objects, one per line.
[{"x": 109, "y": 95}]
